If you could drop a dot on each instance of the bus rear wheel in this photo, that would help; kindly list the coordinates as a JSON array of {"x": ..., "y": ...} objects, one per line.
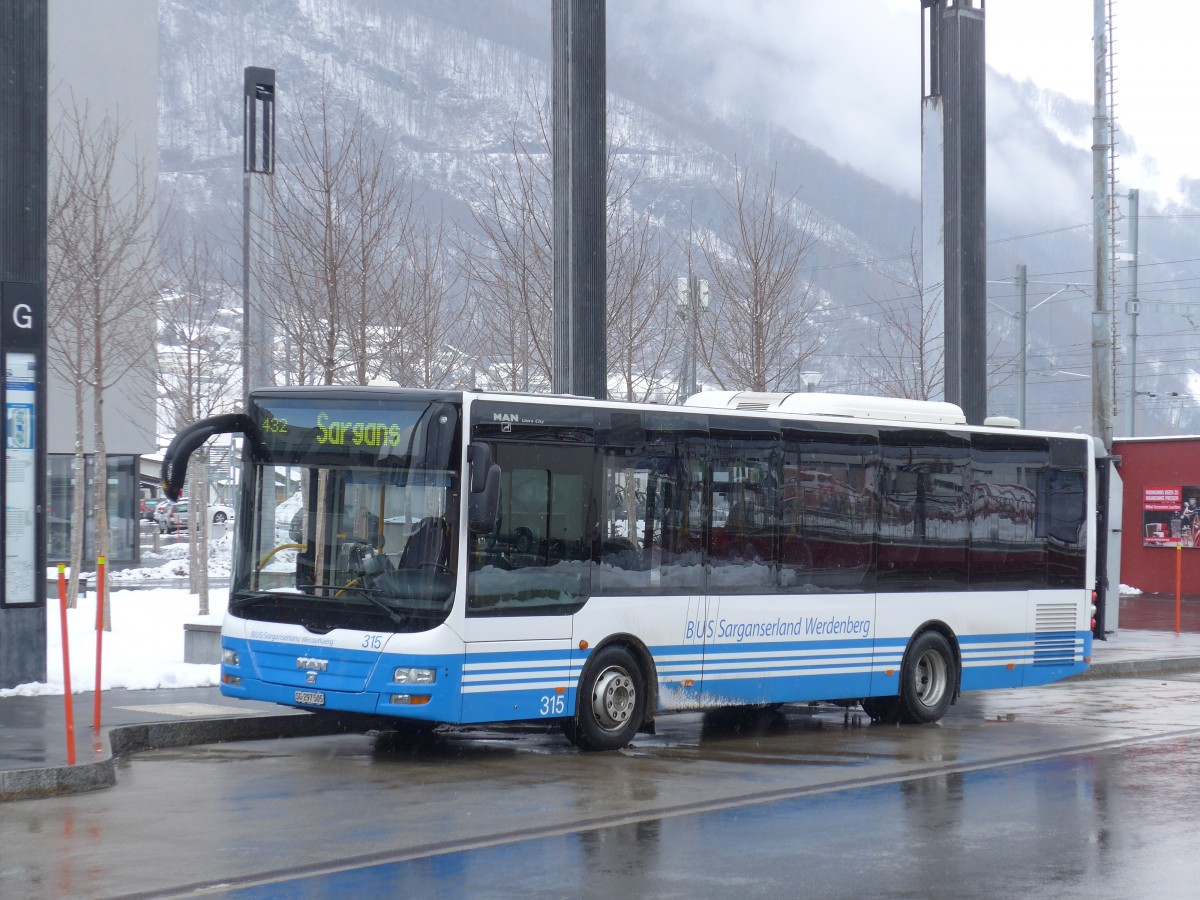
[
  {"x": 928, "y": 680},
  {"x": 611, "y": 702},
  {"x": 927, "y": 684}
]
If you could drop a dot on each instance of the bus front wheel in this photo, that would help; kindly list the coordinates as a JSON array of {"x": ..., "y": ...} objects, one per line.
[{"x": 611, "y": 702}]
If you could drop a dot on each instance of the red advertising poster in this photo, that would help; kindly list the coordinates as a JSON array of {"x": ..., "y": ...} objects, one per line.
[{"x": 1171, "y": 516}]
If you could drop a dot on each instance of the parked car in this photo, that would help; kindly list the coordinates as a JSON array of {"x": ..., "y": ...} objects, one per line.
[
  {"x": 147, "y": 507},
  {"x": 289, "y": 519},
  {"x": 160, "y": 514},
  {"x": 177, "y": 517},
  {"x": 220, "y": 513}
]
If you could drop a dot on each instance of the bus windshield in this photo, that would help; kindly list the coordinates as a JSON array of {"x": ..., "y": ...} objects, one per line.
[{"x": 353, "y": 521}]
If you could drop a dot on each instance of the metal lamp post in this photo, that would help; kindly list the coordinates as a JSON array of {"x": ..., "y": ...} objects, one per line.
[{"x": 691, "y": 296}]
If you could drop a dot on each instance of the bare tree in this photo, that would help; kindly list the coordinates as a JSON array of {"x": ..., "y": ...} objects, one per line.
[
  {"x": 761, "y": 331},
  {"x": 511, "y": 268},
  {"x": 197, "y": 375},
  {"x": 512, "y": 285},
  {"x": 428, "y": 292},
  {"x": 909, "y": 341},
  {"x": 339, "y": 222},
  {"x": 909, "y": 361},
  {"x": 641, "y": 330},
  {"x": 101, "y": 259}
]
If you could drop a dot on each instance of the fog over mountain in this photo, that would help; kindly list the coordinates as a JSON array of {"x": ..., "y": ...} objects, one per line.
[{"x": 830, "y": 98}]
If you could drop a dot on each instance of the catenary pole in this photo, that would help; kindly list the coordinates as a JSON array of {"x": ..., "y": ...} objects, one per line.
[
  {"x": 1102, "y": 394},
  {"x": 1133, "y": 310},
  {"x": 1023, "y": 339}
]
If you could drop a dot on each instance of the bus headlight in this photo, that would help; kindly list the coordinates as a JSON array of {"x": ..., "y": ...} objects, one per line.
[
  {"x": 407, "y": 675},
  {"x": 229, "y": 657}
]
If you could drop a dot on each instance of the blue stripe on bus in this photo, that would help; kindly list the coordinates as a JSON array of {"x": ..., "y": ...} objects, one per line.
[
  {"x": 483, "y": 686},
  {"x": 477, "y": 656}
]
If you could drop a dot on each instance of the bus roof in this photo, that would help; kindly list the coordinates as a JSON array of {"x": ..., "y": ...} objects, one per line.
[{"x": 852, "y": 406}]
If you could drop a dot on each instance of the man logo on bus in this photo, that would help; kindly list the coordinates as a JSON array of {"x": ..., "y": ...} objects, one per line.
[
  {"x": 313, "y": 664},
  {"x": 509, "y": 418}
]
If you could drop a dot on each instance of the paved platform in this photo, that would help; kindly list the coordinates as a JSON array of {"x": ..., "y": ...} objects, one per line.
[{"x": 33, "y": 755}]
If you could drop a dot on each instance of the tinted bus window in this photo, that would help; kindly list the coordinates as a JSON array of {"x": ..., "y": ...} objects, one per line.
[
  {"x": 1062, "y": 518},
  {"x": 827, "y": 511},
  {"x": 923, "y": 521},
  {"x": 1006, "y": 549},
  {"x": 744, "y": 503},
  {"x": 653, "y": 514}
]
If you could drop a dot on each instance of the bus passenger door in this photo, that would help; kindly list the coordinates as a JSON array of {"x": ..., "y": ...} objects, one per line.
[
  {"x": 649, "y": 581},
  {"x": 742, "y": 500},
  {"x": 525, "y": 580}
]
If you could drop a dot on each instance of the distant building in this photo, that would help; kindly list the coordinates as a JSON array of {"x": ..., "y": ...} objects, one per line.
[{"x": 104, "y": 53}]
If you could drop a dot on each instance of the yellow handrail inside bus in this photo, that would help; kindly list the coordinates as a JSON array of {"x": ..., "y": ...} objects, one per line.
[{"x": 266, "y": 559}]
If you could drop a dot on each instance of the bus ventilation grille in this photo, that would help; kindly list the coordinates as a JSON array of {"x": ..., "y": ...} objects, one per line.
[
  {"x": 758, "y": 405},
  {"x": 1054, "y": 635}
]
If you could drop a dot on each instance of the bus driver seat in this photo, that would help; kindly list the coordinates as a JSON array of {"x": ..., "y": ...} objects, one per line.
[{"x": 428, "y": 545}]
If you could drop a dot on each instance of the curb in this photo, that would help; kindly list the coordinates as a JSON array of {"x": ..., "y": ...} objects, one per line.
[
  {"x": 1136, "y": 667},
  {"x": 51, "y": 781}
]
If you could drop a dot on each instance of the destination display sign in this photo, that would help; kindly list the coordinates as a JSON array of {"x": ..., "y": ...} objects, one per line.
[{"x": 348, "y": 433}]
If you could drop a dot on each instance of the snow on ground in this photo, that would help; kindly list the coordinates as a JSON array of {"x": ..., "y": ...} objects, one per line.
[
  {"x": 144, "y": 650},
  {"x": 170, "y": 563}
]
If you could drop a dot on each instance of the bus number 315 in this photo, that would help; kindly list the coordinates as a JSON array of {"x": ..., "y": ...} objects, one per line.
[{"x": 553, "y": 705}]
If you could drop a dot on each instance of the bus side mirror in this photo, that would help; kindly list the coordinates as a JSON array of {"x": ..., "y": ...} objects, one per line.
[
  {"x": 175, "y": 460},
  {"x": 483, "y": 500}
]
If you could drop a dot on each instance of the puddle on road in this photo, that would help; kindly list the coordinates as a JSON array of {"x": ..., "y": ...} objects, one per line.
[{"x": 1141, "y": 704}]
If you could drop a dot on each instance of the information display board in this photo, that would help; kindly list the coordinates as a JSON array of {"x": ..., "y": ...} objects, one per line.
[
  {"x": 20, "y": 478},
  {"x": 1171, "y": 516}
]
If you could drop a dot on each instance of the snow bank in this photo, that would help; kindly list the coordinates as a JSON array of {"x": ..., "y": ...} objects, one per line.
[{"x": 144, "y": 650}]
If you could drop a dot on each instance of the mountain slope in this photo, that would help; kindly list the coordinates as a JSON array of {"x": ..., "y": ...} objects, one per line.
[{"x": 453, "y": 81}]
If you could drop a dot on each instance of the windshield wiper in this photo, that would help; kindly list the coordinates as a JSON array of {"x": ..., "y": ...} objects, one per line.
[
  {"x": 369, "y": 593},
  {"x": 366, "y": 592},
  {"x": 339, "y": 592}
]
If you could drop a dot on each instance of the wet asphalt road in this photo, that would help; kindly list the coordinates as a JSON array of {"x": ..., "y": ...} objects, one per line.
[
  {"x": 1081, "y": 789},
  {"x": 1075, "y": 827}
]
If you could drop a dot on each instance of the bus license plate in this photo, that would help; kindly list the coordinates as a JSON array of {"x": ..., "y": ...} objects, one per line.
[{"x": 310, "y": 698}]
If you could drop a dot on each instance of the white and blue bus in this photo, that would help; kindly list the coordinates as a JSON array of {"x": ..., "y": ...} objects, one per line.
[{"x": 465, "y": 557}]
